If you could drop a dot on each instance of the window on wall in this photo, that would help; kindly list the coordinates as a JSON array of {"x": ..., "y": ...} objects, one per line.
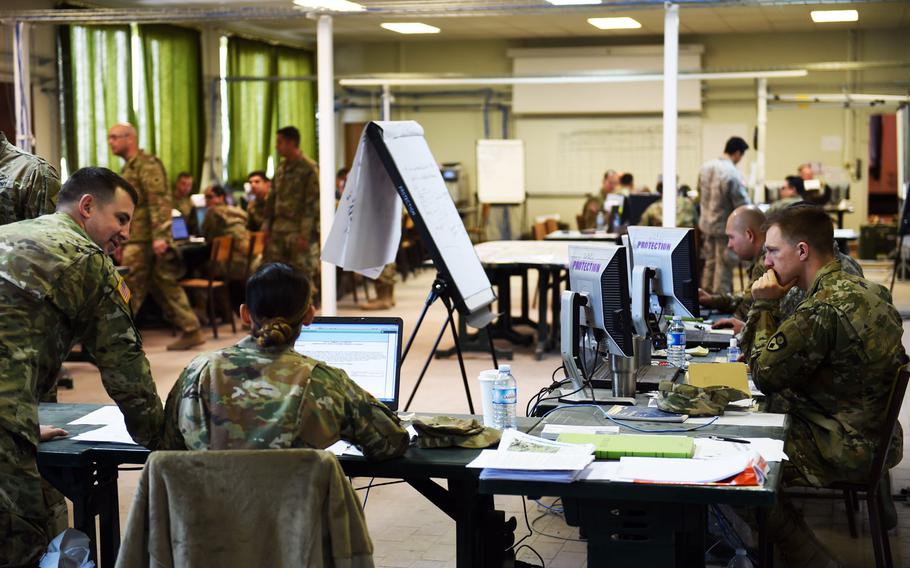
[
  {"x": 266, "y": 87},
  {"x": 149, "y": 76}
]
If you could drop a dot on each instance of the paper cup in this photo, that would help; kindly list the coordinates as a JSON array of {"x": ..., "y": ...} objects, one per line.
[{"x": 487, "y": 378}]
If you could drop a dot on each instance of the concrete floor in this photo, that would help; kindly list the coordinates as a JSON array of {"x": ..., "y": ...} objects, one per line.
[{"x": 407, "y": 530}]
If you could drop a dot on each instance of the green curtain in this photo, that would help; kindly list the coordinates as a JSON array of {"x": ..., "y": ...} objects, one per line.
[
  {"x": 256, "y": 109},
  {"x": 294, "y": 100},
  {"x": 174, "y": 117},
  {"x": 97, "y": 91},
  {"x": 249, "y": 107}
]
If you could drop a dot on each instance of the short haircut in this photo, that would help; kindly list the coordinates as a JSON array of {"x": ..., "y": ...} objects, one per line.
[
  {"x": 609, "y": 173},
  {"x": 342, "y": 172},
  {"x": 796, "y": 183},
  {"x": 217, "y": 190},
  {"x": 626, "y": 179},
  {"x": 290, "y": 133},
  {"x": 804, "y": 222},
  {"x": 100, "y": 183},
  {"x": 182, "y": 175},
  {"x": 735, "y": 144},
  {"x": 748, "y": 217},
  {"x": 277, "y": 290},
  {"x": 258, "y": 173}
]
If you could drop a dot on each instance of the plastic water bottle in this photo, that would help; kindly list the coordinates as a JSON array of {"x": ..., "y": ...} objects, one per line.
[
  {"x": 741, "y": 560},
  {"x": 734, "y": 351},
  {"x": 601, "y": 221},
  {"x": 505, "y": 399},
  {"x": 676, "y": 343}
]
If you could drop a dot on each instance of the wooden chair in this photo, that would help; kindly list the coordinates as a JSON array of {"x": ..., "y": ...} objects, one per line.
[
  {"x": 539, "y": 230},
  {"x": 552, "y": 225},
  {"x": 872, "y": 488},
  {"x": 257, "y": 248},
  {"x": 219, "y": 263}
]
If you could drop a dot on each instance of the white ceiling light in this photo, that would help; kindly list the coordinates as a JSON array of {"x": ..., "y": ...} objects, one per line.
[
  {"x": 572, "y": 2},
  {"x": 333, "y": 5},
  {"x": 623, "y": 23},
  {"x": 828, "y": 16},
  {"x": 410, "y": 28}
]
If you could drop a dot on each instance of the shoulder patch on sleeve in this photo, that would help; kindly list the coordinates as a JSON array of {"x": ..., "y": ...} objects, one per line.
[
  {"x": 777, "y": 342},
  {"x": 124, "y": 290}
]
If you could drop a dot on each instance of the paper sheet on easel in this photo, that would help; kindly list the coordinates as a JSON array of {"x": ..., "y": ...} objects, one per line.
[
  {"x": 367, "y": 227},
  {"x": 712, "y": 374}
]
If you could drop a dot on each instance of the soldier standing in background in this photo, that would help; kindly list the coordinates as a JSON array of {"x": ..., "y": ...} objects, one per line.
[
  {"x": 28, "y": 184},
  {"x": 58, "y": 288},
  {"x": 260, "y": 186},
  {"x": 292, "y": 208},
  {"x": 154, "y": 264}
]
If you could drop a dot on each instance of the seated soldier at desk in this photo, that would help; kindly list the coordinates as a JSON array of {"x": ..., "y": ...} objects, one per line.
[
  {"x": 792, "y": 192},
  {"x": 595, "y": 204},
  {"x": 831, "y": 365},
  {"x": 261, "y": 394},
  {"x": 222, "y": 220}
]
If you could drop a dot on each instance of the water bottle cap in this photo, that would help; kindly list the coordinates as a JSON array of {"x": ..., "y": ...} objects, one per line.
[{"x": 505, "y": 368}]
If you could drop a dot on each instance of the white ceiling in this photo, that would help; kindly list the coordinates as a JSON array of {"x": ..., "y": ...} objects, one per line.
[{"x": 508, "y": 21}]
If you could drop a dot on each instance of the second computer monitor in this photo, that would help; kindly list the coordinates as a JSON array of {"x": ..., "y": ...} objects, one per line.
[
  {"x": 601, "y": 273},
  {"x": 672, "y": 252}
]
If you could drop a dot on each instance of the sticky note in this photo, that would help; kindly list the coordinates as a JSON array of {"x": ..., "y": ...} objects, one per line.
[{"x": 723, "y": 374}]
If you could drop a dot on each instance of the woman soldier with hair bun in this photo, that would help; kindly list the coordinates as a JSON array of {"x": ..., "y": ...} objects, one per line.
[{"x": 261, "y": 394}]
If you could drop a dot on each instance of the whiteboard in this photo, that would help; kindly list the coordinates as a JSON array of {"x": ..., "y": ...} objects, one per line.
[
  {"x": 415, "y": 173},
  {"x": 570, "y": 155},
  {"x": 501, "y": 171}
]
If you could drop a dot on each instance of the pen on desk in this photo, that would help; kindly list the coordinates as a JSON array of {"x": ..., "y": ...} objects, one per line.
[{"x": 726, "y": 439}]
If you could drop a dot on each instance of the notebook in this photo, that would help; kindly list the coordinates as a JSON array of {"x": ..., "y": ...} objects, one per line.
[
  {"x": 368, "y": 349},
  {"x": 615, "y": 446}
]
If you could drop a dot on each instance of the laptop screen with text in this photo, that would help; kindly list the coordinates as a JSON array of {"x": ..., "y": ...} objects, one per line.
[{"x": 368, "y": 349}]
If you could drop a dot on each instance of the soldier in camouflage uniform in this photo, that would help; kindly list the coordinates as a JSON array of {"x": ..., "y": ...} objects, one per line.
[
  {"x": 261, "y": 394},
  {"x": 183, "y": 187},
  {"x": 833, "y": 363},
  {"x": 595, "y": 204},
  {"x": 260, "y": 187},
  {"x": 792, "y": 192},
  {"x": 58, "y": 288},
  {"x": 222, "y": 220},
  {"x": 685, "y": 214},
  {"x": 385, "y": 290},
  {"x": 154, "y": 263},
  {"x": 292, "y": 208},
  {"x": 28, "y": 184}
]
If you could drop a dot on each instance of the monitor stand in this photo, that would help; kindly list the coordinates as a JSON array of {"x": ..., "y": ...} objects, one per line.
[{"x": 602, "y": 395}]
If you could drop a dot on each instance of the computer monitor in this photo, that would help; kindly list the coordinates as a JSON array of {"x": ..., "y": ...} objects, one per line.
[
  {"x": 200, "y": 216},
  {"x": 671, "y": 254},
  {"x": 638, "y": 203},
  {"x": 368, "y": 349},
  {"x": 179, "y": 231}
]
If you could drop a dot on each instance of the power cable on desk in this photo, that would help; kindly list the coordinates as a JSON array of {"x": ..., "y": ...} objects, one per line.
[
  {"x": 624, "y": 423},
  {"x": 517, "y": 545}
]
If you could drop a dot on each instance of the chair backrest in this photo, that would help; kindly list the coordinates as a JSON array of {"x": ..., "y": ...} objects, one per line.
[
  {"x": 893, "y": 409},
  {"x": 580, "y": 222},
  {"x": 220, "y": 258},
  {"x": 540, "y": 231},
  {"x": 552, "y": 225},
  {"x": 257, "y": 248}
]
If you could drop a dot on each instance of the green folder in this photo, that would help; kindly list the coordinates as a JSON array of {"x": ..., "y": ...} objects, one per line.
[{"x": 614, "y": 446}]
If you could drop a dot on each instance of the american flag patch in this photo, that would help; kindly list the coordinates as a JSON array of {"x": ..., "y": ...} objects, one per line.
[{"x": 124, "y": 290}]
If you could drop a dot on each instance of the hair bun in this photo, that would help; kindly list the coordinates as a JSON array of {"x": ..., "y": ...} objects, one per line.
[{"x": 273, "y": 332}]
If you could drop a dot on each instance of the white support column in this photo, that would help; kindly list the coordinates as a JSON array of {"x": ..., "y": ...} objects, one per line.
[
  {"x": 671, "y": 83},
  {"x": 761, "y": 135},
  {"x": 386, "y": 102},
  {"x": 325, "y": 82},
  {"x": 22, "y": 84}
]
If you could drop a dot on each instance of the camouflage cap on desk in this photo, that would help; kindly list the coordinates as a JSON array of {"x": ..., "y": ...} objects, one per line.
[
  {"x": 696, "y": 401},
  {"x": 448, "y": 431}
]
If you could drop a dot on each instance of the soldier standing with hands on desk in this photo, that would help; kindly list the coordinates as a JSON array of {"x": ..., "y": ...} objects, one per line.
[
  {"x": 831, "y": 366},
  {"x": 58, "y": 288},
  {"x": 150, "y": 255}
]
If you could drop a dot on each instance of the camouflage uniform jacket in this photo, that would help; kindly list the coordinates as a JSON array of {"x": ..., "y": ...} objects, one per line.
[
  {"x": 721, "y": 189},
  {"x": 256, "y": 213},
  {"x": 58, "y": 288},
  {"x": 781, "y": 204},
  {"x": 185, "y": 206},
  {"x": 152, "y": 218},
  {"x": 249, "y": 397},
  {"x": 685, "y": 214},
  {"x": 833, "y": 364},
  {"x": 227, "y": 220},
  {"x": 28, "y": 185},
  {"x": 739, "y": 304},
  {"x": 293, "y": 203}
]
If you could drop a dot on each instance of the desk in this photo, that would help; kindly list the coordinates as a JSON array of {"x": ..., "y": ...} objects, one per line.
[
  {"x": 504, "y": 259},
  {"x": 842, "y": 237},
  {"x": 87, "y": 474},
  {"x": 611, "y": 238},
  {"x": 839, "y": 211}
]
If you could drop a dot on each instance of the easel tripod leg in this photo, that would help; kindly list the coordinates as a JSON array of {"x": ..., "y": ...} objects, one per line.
[
  {"x": 464, "y": 374},
  {"x": 429, "y": 358}
]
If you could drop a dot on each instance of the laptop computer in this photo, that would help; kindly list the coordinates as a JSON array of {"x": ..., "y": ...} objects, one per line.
[
  {"x": 368, "y": 349},
  {"x": 179, "y": 230}
]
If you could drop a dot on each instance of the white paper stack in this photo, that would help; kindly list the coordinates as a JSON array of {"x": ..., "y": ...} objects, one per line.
[
  {"x": 521, "y": 457},
  {"x": 112, "y": 427}
]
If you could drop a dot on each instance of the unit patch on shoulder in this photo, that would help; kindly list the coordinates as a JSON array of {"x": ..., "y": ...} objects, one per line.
[
  {"x": 777, "y": 342},
  {"x": 124, "y": 290}
]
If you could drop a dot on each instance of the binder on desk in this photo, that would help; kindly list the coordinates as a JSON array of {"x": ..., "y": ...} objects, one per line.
[{"x": 615, "y": 446}]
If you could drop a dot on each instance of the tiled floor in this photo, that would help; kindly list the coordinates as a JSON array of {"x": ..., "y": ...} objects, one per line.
[{"x": 407, "y": 530}]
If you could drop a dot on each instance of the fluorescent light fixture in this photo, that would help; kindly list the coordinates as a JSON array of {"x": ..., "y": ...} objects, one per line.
[
  {"x": 410, "y": 28},
  {"x": 623, "y": 23},
  {"x": 829, "y": 16},
  {"x": 573, "y": 2},
  {"x": 333, "y": 5}
]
